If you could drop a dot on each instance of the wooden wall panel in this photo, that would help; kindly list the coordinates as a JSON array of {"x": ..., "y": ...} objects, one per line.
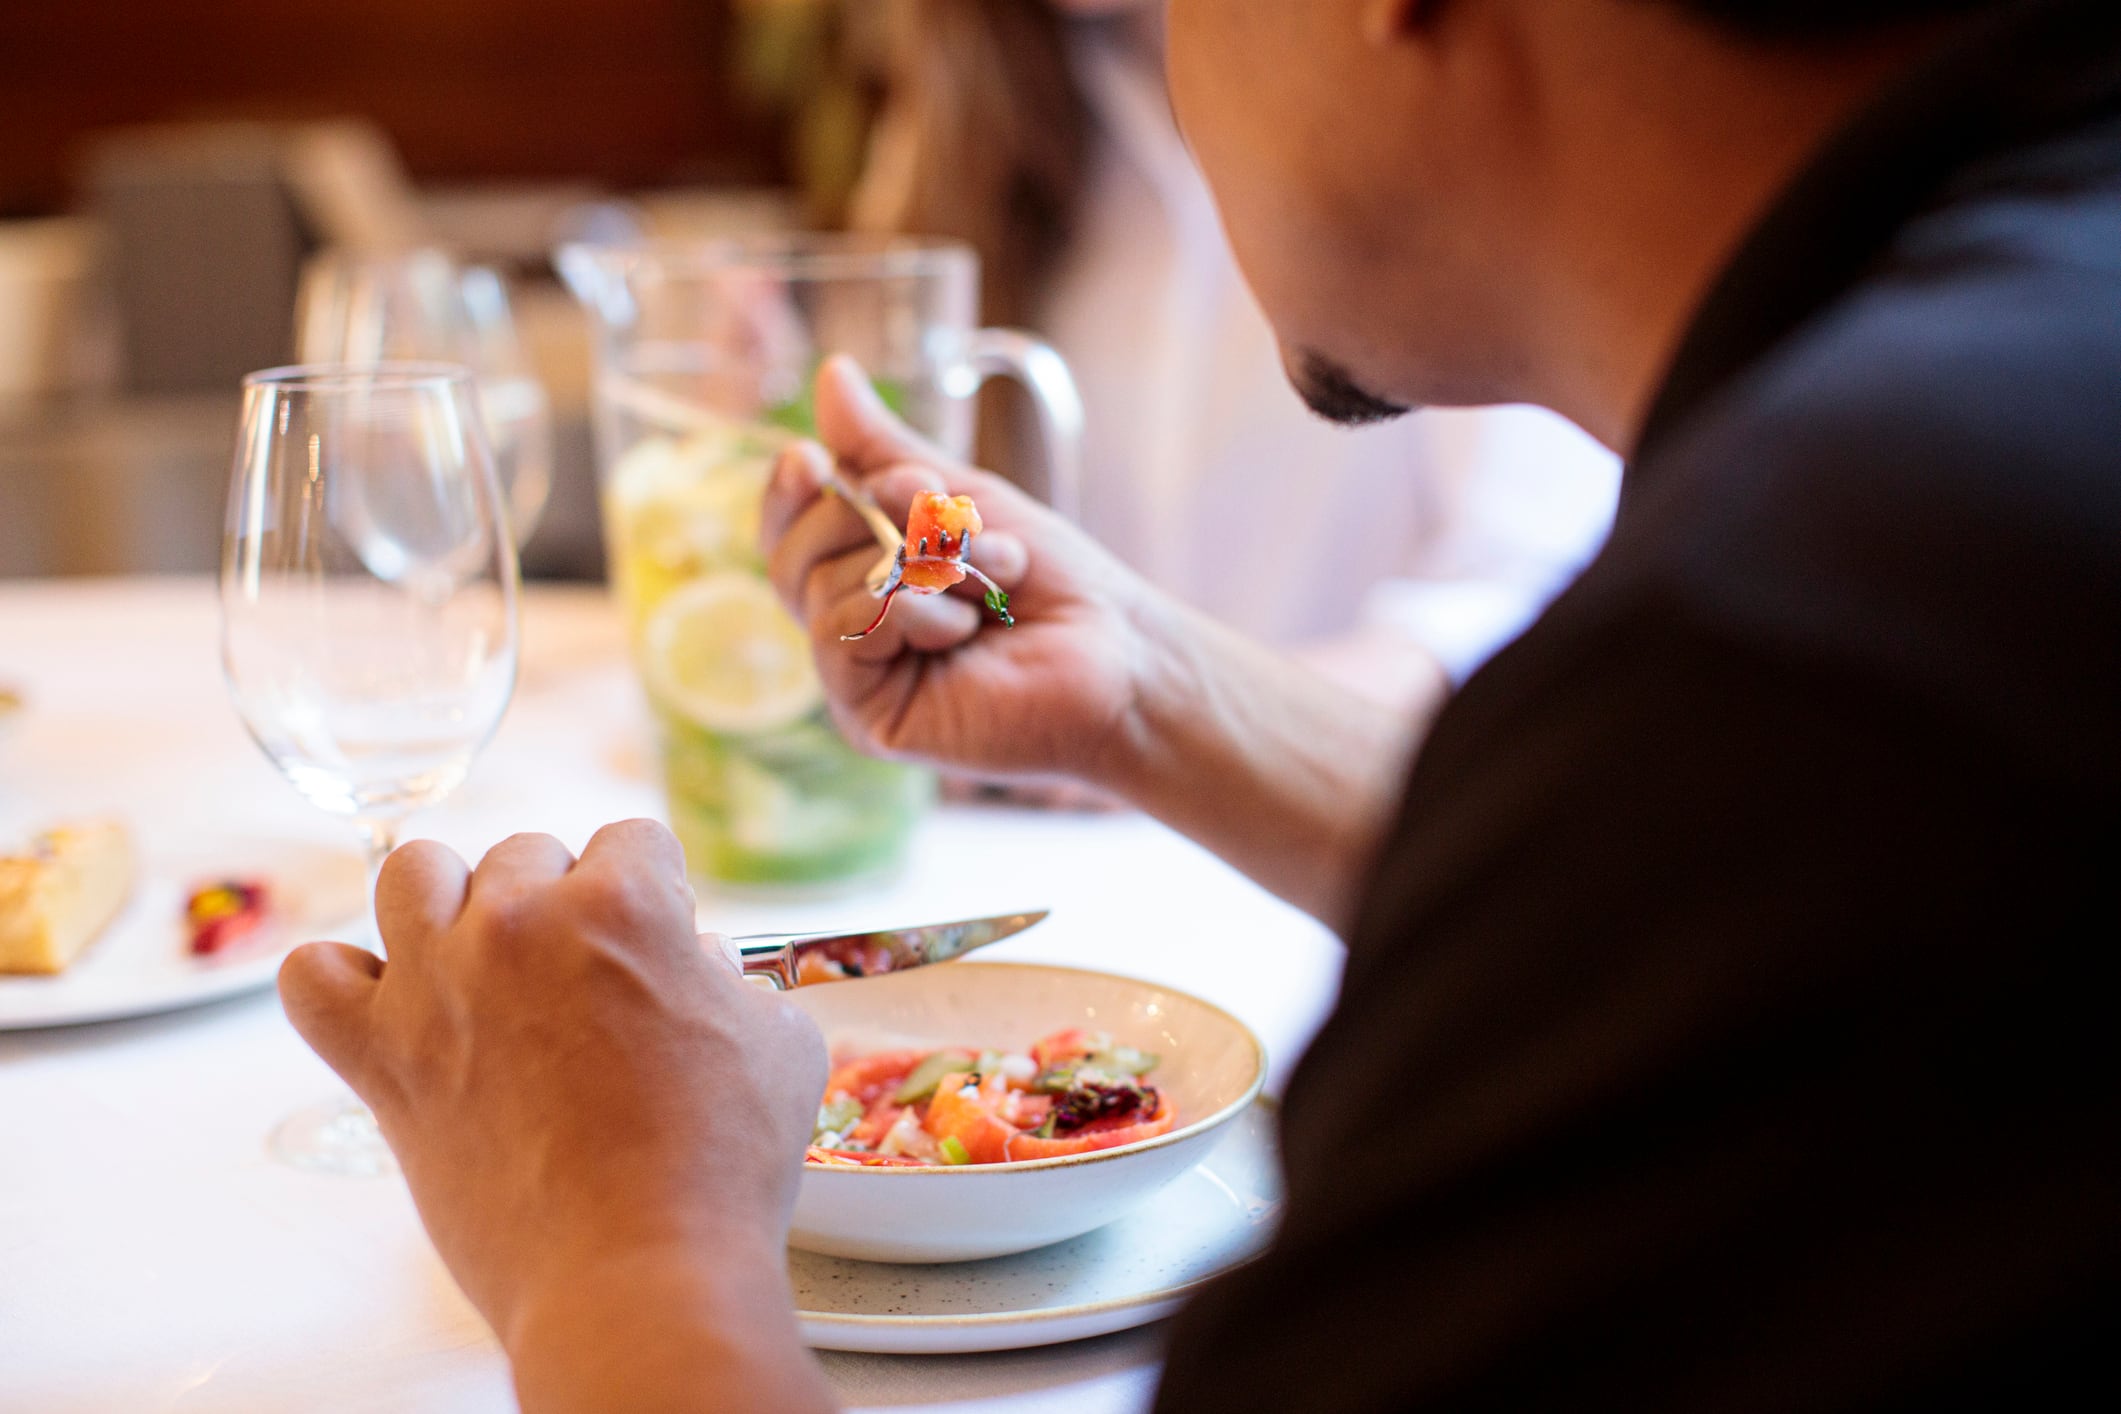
[{"x": 626, "y": 91}]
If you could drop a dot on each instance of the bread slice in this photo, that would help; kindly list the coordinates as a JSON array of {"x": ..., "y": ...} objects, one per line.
[{"x": 58, "y": 897}]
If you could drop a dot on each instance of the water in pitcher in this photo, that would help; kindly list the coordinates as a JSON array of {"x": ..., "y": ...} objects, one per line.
[
  {"x": 761, "y": 789},
  {"x": 706, "y": 354}
]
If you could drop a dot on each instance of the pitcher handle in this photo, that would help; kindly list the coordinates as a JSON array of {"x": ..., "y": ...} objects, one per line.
[{"x": 1034, "y": 363}]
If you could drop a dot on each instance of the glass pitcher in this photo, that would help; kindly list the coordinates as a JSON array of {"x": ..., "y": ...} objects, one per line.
[{"x": 706, "y": 353}]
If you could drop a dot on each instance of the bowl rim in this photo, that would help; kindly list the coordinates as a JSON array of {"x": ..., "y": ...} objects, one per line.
[{"x": 1198, "y": 1127}]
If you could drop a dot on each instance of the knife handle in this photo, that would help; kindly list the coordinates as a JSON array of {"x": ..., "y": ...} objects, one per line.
[{"x": 769, "y": 960}]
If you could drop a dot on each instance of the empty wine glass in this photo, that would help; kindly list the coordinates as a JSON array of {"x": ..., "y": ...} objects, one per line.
[
  {"x": 421, "y": 305},
  {"x": 368, "y": 609}
]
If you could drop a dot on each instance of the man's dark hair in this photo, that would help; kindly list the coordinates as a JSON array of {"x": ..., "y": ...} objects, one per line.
[{"x": 1825, "y": 19}]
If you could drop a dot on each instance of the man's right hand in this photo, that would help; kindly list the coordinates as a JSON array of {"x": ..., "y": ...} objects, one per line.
[
  {"x": 941, "y": 681},
  {"x": 1103, "y": 680}
]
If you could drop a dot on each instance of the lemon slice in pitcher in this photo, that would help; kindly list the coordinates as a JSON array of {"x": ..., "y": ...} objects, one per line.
[{"x": 722, "y": 653}]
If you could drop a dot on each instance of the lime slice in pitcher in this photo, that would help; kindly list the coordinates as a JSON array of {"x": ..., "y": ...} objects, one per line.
[{"x": 721, "y": 652}]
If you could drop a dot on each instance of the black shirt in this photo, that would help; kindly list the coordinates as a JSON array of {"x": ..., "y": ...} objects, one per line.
[{"x": 1730, "y": 1023}]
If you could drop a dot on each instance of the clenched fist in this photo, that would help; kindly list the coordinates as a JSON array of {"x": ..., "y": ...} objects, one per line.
[{"x": 577, "y": 1089}]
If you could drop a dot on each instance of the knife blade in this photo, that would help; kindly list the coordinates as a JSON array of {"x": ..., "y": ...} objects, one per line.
[{"x": 803, "y": 959}]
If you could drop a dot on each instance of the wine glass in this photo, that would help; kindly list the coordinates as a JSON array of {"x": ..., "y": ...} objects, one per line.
[
  {"x": 422, "y": 304},
  {"x": 368, "y": 616}
]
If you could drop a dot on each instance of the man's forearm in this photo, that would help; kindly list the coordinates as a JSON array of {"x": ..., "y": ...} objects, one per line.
[
  {"x": 666, "y": 1333},
  {"x": 1286, "y": 775}
]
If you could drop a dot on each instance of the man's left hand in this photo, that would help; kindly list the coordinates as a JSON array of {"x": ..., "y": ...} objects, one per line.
[{"x": 570, "y": 1080}]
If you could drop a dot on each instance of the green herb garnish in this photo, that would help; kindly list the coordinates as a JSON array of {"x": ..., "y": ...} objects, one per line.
[
  {"x": 837, "y": 1116},
  {"x": 920, "y": 1082},
  {"x": 1122, "y": 1060},
  {"x": 998, "y": 601},
  {"x": 1116, "y": 1064}
]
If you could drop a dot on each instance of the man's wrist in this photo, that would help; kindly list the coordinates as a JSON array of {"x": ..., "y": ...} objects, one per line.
[
  {"x": 588, "y": 1273},
  {"x": 1140, "y": 759},
  {"x": 1285, "y": 775},
  {"x": 662, "y": 1324}
]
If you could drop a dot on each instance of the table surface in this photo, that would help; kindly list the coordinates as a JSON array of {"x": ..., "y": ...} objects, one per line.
[{"x": 153, "y": 1257}]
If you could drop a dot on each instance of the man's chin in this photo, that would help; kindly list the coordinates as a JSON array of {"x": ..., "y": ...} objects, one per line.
[{"x": 1332, "y": 393}]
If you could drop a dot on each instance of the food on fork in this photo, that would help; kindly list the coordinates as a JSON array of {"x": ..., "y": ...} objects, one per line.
[
  {"x": 220, "y": 915},
  {"x": 939, "y": 533},
  {"x": 1071, "y": 1093},
  {"x": 58, "y": 897}
]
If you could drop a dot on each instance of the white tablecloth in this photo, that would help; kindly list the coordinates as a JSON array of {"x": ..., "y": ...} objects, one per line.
[{"x": 152, "y": 1257}]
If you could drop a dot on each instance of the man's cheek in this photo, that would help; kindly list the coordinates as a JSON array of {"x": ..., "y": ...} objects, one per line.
[{"x": 1189, "y": 65}]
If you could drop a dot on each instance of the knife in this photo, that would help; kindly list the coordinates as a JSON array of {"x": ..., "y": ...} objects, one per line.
[{"x": 801, "y": 959}]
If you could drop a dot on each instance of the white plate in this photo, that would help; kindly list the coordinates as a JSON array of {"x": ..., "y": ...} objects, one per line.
[
  {"x": 1140, "y": 1269},
  {"x": 141, "y": 964}
]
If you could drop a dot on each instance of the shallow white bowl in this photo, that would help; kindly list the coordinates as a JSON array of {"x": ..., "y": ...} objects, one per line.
[{"x": 1212, "y": 1067}]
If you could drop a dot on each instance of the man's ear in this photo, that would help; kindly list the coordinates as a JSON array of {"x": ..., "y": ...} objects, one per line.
[{"x": 1384, "y": 21}]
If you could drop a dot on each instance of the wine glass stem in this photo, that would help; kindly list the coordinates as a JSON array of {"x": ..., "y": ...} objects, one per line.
[{"x": 378, "y": 839}]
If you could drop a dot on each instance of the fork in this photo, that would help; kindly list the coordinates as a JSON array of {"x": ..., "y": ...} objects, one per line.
[{"x": 887, "y": 534}]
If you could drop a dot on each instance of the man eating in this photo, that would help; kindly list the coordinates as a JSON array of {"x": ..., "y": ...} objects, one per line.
[{"x": 1724, "y": 965}]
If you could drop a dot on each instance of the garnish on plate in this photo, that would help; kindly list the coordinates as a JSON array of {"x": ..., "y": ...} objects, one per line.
[
  {"x": 1072, "y": 1092},
  {"x": 939, "y": 532},
  {"x": 223, "y": 914}
]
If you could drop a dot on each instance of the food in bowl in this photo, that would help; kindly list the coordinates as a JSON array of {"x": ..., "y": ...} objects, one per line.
[
  {"x": 1208, "y": 1072},
  {"x": 1072, "y": 1092}
]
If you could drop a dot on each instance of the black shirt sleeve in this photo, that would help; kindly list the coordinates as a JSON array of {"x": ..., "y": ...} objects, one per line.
[
  {"x": 1719, "y": 1036},
  {"x": 1729, "y": 1025},
  {"x": 1730, "y": 1022}
]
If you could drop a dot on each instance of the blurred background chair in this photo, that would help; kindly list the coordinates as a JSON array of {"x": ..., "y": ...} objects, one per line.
[{"x": 166, "y": 171}]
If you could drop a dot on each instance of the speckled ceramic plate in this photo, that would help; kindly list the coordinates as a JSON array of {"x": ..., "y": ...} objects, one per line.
[{"x": 1140, "y": 1269}]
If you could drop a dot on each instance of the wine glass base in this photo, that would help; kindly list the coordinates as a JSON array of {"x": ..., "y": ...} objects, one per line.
[{"x": 338, "y": 1137}]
